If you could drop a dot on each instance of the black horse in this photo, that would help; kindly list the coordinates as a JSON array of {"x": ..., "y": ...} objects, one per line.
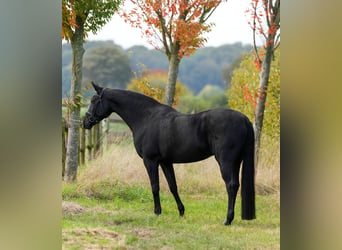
[{"x": 162, "y": 136}]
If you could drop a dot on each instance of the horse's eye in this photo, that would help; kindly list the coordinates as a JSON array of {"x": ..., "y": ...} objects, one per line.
[{"x": 94, "y": 98}]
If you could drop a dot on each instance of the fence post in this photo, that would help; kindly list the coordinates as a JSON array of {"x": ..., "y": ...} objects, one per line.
[
  {"x": 94, "y": 140},
  {"x": 106, "y": 134},
  {"x": 82, "y": 145},
  {"x": 90, "y": 144},
  {"x": 99, "y": 139}
]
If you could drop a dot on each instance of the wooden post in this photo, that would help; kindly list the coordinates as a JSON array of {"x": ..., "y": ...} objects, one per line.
[
  {"x": 107, "y": 134},
  {"x": 94, "y": 140},
  {"x": 82, "y": 146},
  {"x": 99, "y": 139},
  {"x": 90, "y": 144}
]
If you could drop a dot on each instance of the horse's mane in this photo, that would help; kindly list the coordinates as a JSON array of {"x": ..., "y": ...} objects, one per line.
[{"x": 137, "y": 98}]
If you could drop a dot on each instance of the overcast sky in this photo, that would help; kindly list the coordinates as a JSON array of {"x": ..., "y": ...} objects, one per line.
[{"x": 230, "y": 26}]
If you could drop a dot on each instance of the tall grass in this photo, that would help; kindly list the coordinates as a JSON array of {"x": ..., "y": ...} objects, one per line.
[
  {"x": 268, "y": 169},
  {"x": 121, "y": 168}
]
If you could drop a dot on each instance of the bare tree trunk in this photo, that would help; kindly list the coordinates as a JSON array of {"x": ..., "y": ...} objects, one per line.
[
  {"x": 170, "y": 90},
  {"x": 74, "y": 117},
  {"x": 260, "y": 107}
]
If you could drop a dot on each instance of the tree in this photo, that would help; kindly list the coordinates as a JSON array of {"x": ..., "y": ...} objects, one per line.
[
  {"x": 245, "y": 82},
  {"x": 227, "y": 71},
  {"x": 78, "y": 18},
  {"x": 152, "y": 83},
  {"x": 265, "y": 21},
  {"x": 214, "y": 96},
  {"x": 108, "y": 65},
  {"x": 176, "y": 26}
]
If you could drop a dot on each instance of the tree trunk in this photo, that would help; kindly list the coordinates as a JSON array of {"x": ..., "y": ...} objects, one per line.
[
  {"x": 260, "y": 106},
  {"x": 74, "y": 117},
  {"x": 172, "y": 78}
]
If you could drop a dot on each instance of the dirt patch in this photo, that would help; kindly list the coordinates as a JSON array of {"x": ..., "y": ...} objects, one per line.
[
  {"x": 96, "y": 232},
  {"x": 92, "y": 239},
  {"x": 142, "y": 233},
  {"x": 101, "y": 210},
  {"x": 72, "y": 208}
]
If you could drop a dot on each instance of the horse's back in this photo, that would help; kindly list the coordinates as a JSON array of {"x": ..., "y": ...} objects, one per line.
[{"x": 189, "y": 138}]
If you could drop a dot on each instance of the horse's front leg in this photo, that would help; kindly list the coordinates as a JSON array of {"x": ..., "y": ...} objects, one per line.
[
  {"x": 153, "y": 174},
  {"x": 171, "y": 180}
]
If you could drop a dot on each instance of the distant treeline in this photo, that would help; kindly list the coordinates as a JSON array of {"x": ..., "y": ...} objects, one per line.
[{"x": 205, "y": 67}]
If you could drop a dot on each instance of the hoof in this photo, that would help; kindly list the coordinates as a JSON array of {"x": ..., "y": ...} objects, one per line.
[
  {"x": 181, "y": 212},
  {"x": 157, "y": 212},
  {"x": 227, "y": 222}
]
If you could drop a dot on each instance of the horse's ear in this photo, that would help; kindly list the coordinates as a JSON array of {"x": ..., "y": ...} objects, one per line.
[{"x": 97, "y": 88}]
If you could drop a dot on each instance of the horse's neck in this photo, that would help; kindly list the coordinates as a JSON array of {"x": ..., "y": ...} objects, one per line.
[{"x": 133, "y": 112}]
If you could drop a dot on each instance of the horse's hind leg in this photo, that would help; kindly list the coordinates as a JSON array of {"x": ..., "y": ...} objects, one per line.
[
  {"x": 230, "y": 175},
  {"x": 152, "y": 170},
  {"x": 171, "y": 180}
]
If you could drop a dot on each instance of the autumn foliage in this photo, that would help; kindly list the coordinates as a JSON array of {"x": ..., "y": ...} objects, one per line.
[
  {"x": 68, "y": 19},
  {"x": 264, "y": 20},
  {"x": 152, "y": 83},
  {"x": 172, "y": 23}
]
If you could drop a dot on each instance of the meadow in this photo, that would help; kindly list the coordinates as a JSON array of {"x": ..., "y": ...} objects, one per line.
[{"x": 111, "y": 206}]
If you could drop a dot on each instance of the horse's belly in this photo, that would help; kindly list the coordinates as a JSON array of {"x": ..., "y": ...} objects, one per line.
[
  {"x": 187, "y": 154},
  {"x": 190, "y": 158},
  {"x": 184, "y": 141}
]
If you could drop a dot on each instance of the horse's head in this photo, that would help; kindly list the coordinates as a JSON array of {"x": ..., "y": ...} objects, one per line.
[{"x": 98, "y": 109}]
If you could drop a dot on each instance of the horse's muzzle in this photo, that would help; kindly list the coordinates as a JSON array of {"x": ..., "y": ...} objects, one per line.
[{"x": 87, "y": 124}]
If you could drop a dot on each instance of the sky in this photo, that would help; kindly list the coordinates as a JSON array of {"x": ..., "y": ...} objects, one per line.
[{"x": 231, "y": 26}]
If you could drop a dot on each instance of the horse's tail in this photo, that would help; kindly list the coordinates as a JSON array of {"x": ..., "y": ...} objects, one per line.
[{"x": 247, "y": 182}]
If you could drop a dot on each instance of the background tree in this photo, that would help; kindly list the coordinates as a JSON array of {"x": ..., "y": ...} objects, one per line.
[
  {"x": 227, "y": 71},
  {"x": 194, "y": 72},
  {"x": 210, "y": 97},
  {"x": 214, "y": 96},
  {"x": 152, "y": 83},
  {"x": 265, "y": 22},
  {"x": 245, "y": 82},
  {"x": 107, "y": 65},
  {"x": 176, "y": 26},
  {"x": 78, "y": 18}
]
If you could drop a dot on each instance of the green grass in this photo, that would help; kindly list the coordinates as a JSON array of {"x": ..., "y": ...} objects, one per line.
[
  {"x": 125, "y": 219},
  {"x": 114, "y": 190}
]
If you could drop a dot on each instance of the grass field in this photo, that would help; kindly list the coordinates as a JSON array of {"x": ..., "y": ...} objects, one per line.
[{"x": 111, "y": 206}]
